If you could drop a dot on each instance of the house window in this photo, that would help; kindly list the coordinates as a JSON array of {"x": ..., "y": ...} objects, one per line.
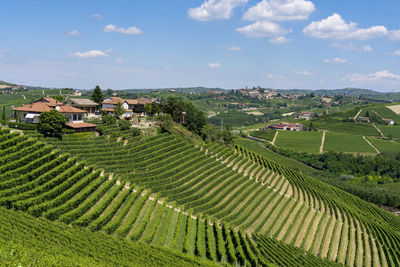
[
  {"x": 80, "y": 117},
  {"x": 75, "y": 117}
]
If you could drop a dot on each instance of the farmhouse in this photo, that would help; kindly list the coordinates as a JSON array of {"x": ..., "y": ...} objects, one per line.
[
  {"x": 30, "y": 113},
  {"x": 85, "y": 104},
  {"x": 130, "y": 105},
  {"x": 388, "y": 121},
  {"x": 363, "y": 119},
  {"x": 284, "y": 126},
  {"x": 304, "y": 115}
]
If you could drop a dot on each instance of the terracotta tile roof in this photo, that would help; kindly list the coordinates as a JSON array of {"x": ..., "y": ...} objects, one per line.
[
  {"x": 81, "y": 125},
  {"x": 144, "y": 100},
  {"x": 113, "y": 100},
  {"x": 34, "y": 107},
  {"x": 132, "y": 101},
  {"x": 49, "y": 101},
  {"x": 70, "y": 109},
  {"x": 83, "y": 102}
]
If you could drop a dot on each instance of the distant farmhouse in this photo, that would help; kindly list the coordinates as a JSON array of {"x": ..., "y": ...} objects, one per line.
[
  {"x": 30, "y": 113},
  {"x": 131, "y": 106},
  {"x": 305, "y": 115},
  {"x": 363, "y": 119},
  {"x": 284, "y": 126},
  {"x": 388, "y": 121}
]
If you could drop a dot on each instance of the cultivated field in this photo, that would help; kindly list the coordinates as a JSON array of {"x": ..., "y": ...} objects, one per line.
[
  {"x": 267, "y": 134},
  {"x": 347, "y": 127},
  {"x": 390, "y": 130},
  {"x": 299, "y": 141},
  {"x": 341, "y": 142},
  {"x": 395, "y": 109},
  {"x": 386, "y": 146}
]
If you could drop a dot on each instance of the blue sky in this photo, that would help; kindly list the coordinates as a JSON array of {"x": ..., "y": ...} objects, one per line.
[{"x": 214, "y": 43}]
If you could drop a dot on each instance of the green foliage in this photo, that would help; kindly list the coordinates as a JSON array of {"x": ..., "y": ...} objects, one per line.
[
  {"x": 153, "y": 109},
  {"x": 58, "y": 98},
  {"x": 22, "y": 125},
  {"x": 265, "y": 134},
  {"x": 124, "y": 125},
  {"x": 51, "y": 123},
  {"x": 119, "y": 110},
  {"x": 299, "y": 141},
  {"x": 97, "y": 95},
  {"x": 109, "y": 119},
  {"x": 3, "y": 114}
]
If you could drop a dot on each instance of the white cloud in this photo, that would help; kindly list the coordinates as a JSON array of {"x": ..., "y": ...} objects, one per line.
[
  {"x": 263, "y": 29},
  {"x": 395, "y": 53},
  {"x": 353, "y": 47},
  {"x": 379, "y": 76},
  {"x": 279, "y": 40},
  {"x": 234, "y": 48},
  {"x": 280, "y": 10},
  {"x": 394, "y": 35},
  {"x": 215, "y": 9},
  {"x": 130, "y": 30},
  {"x": 273, "y": 76},
  {"x": 335, "y": 60},
  {"x": 89, "y": 54},
  {"x": 336, "y": 28},
  {"x": 214, "y": 65},
  {"x": 96, "y": 16},
  {"x": 74, "y": 33},
  {"x": 303, "y": 72}
]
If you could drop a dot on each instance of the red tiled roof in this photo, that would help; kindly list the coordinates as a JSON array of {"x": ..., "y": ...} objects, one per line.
[
  {"x": 113, "y": 100},
  {"x": 34, "y": 107},
  {"x": 49, "y": 101},
  {"x": 81, "y": 125},
  {"x": 132, "y": 101},
  {"x": 70, "y": 109},
  {"x": 144, "y": 100}
]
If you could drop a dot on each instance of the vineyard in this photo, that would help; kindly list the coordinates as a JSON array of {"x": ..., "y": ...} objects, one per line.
[{"x": 225, "y": 204}]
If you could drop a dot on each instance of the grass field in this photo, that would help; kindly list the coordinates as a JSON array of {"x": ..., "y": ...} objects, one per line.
[
  {"x": 385, "y": 146},
  {"x": 299, "y": 141},
  {"x": 390, "y": 130},
  {"x": 341, "y": 142},
  {"x": 267, "y": 134},
  {"x": 386, "y": 113},
  {"x": 347, "y": 127}
]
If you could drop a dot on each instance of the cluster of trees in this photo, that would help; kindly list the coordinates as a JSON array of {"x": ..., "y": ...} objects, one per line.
[{"x": 185, "y": 113}]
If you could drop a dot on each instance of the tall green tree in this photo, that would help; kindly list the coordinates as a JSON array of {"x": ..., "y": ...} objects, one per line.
[
  {"x": 119, "y": 110},
  {"x": 97, "y": 95},
  {"x": 3, "y": 115},
  {"x": 51, "y": 123}
]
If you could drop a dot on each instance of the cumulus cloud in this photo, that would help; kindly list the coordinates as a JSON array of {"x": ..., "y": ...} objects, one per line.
[
  {"x": 96, "y": 16},
  {"x": 336, "y": 28},
  {"x": 303, "y": 72},
  {"x": 215, "y": 9},
  {"x": 261, "y": 29},
  {"x": 273, "y": 76},
  {"x": 234, "y": 48},
  {"x": 279, "y": 40},
  {"x": 394, "y": 35},
  {"x": 384, "y": 75},
  {"x": 353, "y": 47},
  {"x": 214, "y": 65},
  {"x": 74, "y": 33},
  {"x": 280, "y": 10},
  {"x": 395, "y": 53},
  {"x": 130, "y": 30},
  {"x": 335, "y": 60},
  {"x": 89, "y": 54}
]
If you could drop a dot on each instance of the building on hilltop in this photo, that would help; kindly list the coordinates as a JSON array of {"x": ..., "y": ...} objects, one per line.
[
  {"x": 85, "y": 104},
  {"x": 131, "y": 106},
  {"x": 30, "y": 113},
  {"x": 284, "y": 126},
  {"x": 388, "y": 121}
]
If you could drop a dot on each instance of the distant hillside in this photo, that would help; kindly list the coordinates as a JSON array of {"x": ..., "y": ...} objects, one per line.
[{"x": 332, "y": 92}]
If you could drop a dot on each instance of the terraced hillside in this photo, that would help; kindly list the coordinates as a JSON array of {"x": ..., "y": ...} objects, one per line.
[
  {"x": 252, "y": 194},
  {"x": 44, "y": 182}
]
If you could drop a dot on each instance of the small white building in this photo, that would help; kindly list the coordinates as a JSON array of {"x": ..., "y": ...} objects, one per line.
[{"x": 389, "y": 121}]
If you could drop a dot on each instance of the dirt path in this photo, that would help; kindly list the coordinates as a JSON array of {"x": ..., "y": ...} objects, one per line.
[
  {"x": 371, "y": 145},
  {"x": 275, "y": 136},
  {"x": 379, "y": 130},
  {"x": 358, "y": 113},
  {"x": 321, "y": 149}
]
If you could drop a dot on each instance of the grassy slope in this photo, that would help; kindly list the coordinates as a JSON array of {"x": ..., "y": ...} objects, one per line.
[
  {"x": 299, "y": 141},
  {"x": 347, "y": 127},
  {"x": 341, "y": 142},
  {"x": 26, "y": 240},
  {"x": 385, "y": 146},
  {"x": 392, "y": 130}
]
